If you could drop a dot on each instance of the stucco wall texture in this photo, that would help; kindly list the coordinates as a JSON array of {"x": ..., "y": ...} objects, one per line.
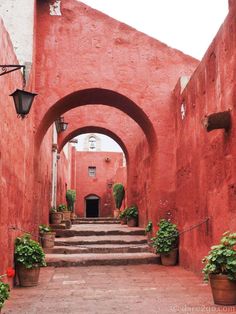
[{"x": 85, "y": 59}]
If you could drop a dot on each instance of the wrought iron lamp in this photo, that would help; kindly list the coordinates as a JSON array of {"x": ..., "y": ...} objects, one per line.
[
  {"x": 61, "y": 125},
  {"x": 22, "y": 99}
]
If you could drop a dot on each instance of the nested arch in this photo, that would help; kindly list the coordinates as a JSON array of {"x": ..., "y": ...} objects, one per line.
[
  {"x": 102, "y": 96},
  {"x": 94, "y": 129}
]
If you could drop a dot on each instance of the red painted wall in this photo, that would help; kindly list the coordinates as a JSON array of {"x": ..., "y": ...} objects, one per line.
[
  {"x": 114, "y": 61},
  {"x": 25, "y": 187},
  {"x": 206, "y": 162},
  {"x": 106, "y": 171}
]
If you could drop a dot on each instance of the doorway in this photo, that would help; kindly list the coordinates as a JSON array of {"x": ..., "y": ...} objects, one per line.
[{"x": 92, "y": 206}]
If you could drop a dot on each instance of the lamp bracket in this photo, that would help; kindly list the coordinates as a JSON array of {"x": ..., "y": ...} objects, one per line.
[{"x": 8, "y": 68}]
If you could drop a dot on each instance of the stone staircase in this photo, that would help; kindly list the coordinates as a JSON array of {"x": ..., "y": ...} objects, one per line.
[{"x": 99, "y": 241}]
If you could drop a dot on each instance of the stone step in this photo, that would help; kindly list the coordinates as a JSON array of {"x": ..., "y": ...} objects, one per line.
[
  {"x": 111, "y": 239},
  {"x": 68, "y": 260},
  {"x": 106, "y": 248},
  {"x": 97, "y": 220},
  {"x": 86, "y": 232}
]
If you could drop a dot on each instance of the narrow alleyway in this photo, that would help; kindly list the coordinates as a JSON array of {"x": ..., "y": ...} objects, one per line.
[{"x": 115, "y": 289}]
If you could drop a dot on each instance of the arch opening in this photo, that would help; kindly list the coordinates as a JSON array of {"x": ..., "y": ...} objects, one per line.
[
  {"x": 94, "y": 96},
  {"x": 92, "y": 206}
]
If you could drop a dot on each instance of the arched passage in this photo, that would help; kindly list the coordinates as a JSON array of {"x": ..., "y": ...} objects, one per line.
[
  {"x": 94, "y": 129},
  {"x": 92, "y": 205},
  {"x": 93, "y": 96}
]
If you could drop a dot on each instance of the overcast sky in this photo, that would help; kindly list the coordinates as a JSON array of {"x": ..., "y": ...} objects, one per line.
[{"x": 188, "y": 25}]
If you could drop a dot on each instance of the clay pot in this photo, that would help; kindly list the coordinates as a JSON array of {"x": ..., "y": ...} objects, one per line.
[
  {"x": 28, "y": 277},
  {"x": 169, "y": 259},
  {"x": 66, "y": 215},
  {"x": 149, "y": 236},
  {"x": 132, "y": 222},
  {"x": 223, "y": 289},
  {"x": 123, "y": 221},
  {"x": 47, "y": 239},
  {"x": 56, "y": 218}
]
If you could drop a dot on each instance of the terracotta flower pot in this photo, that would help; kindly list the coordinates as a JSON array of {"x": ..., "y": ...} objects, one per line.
[
  {"x": 123, "y": 221},
  {"x": 66, "y": 215},
  {"x": 149, "y": 236},
  {"x": 223, "y": 289},
  {"x": 132, "y": 222},
  {"x": 48, "y": 239},
  {"x": 56, "y": 218},
  {"x": 28, "y": 277},
  {"x": 169, "y": 259}
]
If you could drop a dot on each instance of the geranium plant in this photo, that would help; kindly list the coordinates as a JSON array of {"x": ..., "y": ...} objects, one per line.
[
  {"x": 44, "y": 228},
  {"x": 166, "y": 238},
  {"x": 4, "y": 287},
  {"x": 221, "y": 259},
  {"x": 29, "y": 252},
  {"x": 132, "y": 212}
]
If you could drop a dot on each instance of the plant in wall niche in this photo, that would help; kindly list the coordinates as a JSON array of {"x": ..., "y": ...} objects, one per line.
[
  {"x": 118, "y": 194},
  {"x": 220, "y": 269},
  {"x": 29, "y": 257},
  {"x": 70, "y": 199},
  {"x": 132, "y": 215},
  {"x": 4, "y": 287},
  {"x": 47, "y": 236},
  {"x": 166, "y": 242}
]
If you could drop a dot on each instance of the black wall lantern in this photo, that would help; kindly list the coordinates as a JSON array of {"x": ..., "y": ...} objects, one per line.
[
  {"x": 22, "y": 99},
  {"x": 61, "y": 125}
]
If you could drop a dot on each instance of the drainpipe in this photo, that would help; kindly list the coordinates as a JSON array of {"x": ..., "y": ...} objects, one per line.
[{"x": 54, "y": 166}]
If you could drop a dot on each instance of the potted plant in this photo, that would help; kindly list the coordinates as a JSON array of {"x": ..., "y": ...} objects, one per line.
[
  {"x": 47, "y": 236},
  {"x": 220, "y": 269},
  {"x": 148, "y": 231},
  {"x": 55, "y": 216},
  {"x": 132, "y": 216},
  {"x": 62, "y": 208},
  {"x": 70, "y": 199},
  {"x": 166, "y": 242},
  {"x": 29, "y": 257},
  {"x": 4, "y": 287},
  {"x": 123, "y": 217},
  {"x": 118, "y": 194}
]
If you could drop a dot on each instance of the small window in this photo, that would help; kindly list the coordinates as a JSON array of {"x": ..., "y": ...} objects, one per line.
[{"x": 92, "y": 171}]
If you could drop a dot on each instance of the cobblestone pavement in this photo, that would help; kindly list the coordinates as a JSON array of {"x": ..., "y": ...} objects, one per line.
[{"x": 135, "y": 289}]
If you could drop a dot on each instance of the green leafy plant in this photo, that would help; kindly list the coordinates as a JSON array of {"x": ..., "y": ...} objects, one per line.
[
  {"x": 70, "y": 199},
  {"x": 221, "y": 259},
  {"x": 131, "y": 212},
  {"x": 166, "y": 237},
  {"x": 148, "y": 227},
  {"x": 29, "y": 252},
  {"x": 123, "y": 214},
  {"x": 4, "y": 287},
  {"x": 61, "y": 208},
  {"x": 4, "y": 293},
  {"x": 119, "y": 194},
  {"x": 45, "y": 228}
]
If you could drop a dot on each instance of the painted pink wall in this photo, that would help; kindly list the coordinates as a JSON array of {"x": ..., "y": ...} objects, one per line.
[
  {"x": 105, "y": 174},
  {"x": 206, "y": 162}
]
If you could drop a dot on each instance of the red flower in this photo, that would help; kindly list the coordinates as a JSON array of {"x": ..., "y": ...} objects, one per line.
[{"x": 10, "y": 272}]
